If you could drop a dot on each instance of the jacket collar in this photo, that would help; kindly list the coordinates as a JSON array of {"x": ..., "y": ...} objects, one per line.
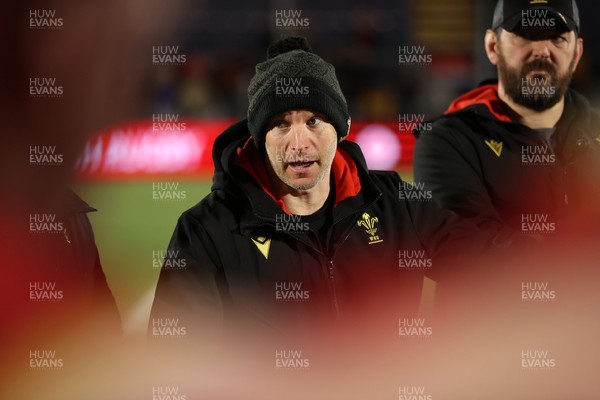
[
  {"x": 483, "y": 98},
  {"x": 577, "y": 119},
  {"x": 343, "y": 168}
]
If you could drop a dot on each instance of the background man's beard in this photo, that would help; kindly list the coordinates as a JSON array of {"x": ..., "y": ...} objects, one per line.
[{"x": 544, "y": 92}]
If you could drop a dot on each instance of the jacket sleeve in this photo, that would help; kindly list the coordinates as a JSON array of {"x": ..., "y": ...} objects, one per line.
[
  {"x": 450, "y": 240},
  {"x": 447, "y": 164},
  {"x": 104, "y": 312},
  {"x": 190, "y": 284}
]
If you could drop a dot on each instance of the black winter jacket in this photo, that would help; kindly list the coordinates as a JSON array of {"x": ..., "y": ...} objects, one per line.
[
  {"x": 232, "y": 259},
  {"x": 503, "y": 175},
  {"x": 55, "y": 288}
]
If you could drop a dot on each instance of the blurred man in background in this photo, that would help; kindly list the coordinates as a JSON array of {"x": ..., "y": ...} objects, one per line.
[
  {"x": 521, "y": 154},
  {"x": 68, "y": 72}
]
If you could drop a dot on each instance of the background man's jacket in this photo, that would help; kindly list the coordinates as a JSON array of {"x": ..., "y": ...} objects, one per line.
[{"x": 482, "y": 165}]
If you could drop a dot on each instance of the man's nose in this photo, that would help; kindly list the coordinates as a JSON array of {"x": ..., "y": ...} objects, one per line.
[
  {"x": 541, "y": 49},
  {"x": 299, "y": 137}
]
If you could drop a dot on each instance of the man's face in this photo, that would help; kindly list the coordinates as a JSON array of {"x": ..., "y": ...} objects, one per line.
[
  {"x": 300, "y": 147},
  {"x": 536, "y": 67}
]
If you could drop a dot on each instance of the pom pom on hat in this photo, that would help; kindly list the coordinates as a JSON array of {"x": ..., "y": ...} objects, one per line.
[{"x": 288, "y": 44}]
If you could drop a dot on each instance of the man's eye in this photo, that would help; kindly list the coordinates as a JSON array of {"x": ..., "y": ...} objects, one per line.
[
  {"x": 314, "y": 121},
  {"x": 559, "y": 40},
  {"x": 279, "y": 124}
]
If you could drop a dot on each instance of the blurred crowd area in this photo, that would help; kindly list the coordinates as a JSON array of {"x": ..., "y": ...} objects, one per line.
[{"x": 223, "y": 41}]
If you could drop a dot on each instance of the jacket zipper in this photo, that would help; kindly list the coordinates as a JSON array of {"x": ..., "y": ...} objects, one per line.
[
  {"x": 330, "y": 265},
  {"x": 332, "y": 291},
  {"x": 331, "y": 274},
  {"x": 564, "y": 184},
  {"x": 563, "y": 169}
]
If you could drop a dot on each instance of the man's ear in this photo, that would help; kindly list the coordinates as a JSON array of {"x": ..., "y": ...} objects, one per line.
[
  {"x": 578, "y": 52},
  {"x": 491, "y": 46}
]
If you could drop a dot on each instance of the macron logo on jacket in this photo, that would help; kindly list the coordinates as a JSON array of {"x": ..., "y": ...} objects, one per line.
[
  {"x": 495, "y": 146},
  {"x": 263, "y": 245}
]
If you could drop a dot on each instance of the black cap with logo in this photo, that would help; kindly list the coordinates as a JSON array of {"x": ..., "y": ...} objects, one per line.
[{"x": 524, "y": 15}]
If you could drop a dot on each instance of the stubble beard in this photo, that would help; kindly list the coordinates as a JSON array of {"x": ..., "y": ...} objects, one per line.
[{"x": 324, "y": 163}]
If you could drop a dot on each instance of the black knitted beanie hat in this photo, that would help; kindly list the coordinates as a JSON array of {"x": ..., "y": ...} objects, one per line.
[{"x": 293, "y": 77}]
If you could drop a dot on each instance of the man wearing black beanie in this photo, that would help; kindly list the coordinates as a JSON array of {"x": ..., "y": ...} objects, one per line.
[{"x": 297, "y": 231}]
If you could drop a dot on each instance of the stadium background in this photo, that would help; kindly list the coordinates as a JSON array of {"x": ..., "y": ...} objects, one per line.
[{"x": 222, "y": 41}]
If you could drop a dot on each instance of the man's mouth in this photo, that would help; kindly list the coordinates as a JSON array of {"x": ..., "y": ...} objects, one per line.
[
  {"x": 301, "y": 166},
  {"x": 539, "y": 68},
  {"x": 301, "y": 163},
  {"x": 539, "y": 72}
]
